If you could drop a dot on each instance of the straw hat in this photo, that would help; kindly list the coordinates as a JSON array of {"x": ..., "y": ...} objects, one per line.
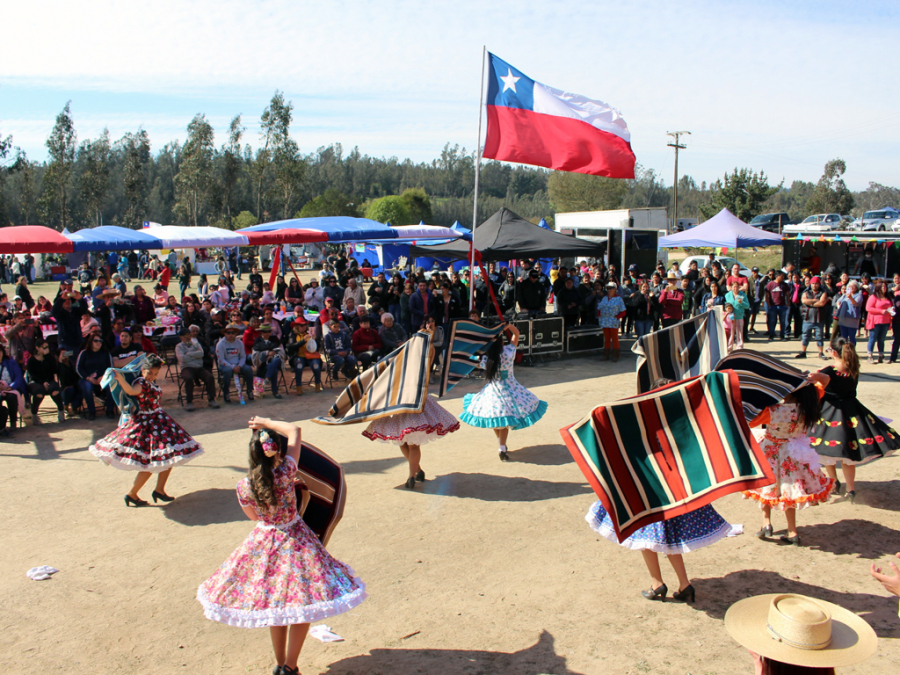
[{"x": 801, "y": 631}]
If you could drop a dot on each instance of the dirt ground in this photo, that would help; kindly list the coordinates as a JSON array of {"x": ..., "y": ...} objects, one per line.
[{"x": 489, "y": 569}]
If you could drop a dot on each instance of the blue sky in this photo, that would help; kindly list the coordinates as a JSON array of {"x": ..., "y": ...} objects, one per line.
[{"x": 779, "y": 87}]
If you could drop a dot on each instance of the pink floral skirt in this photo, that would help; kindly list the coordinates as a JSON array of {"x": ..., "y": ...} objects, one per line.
[
  {"x": 413, "y": 428},
  {"x": 799, "y": 480}
]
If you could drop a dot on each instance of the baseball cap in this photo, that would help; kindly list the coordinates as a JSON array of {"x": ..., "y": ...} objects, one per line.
[
  {"x": 754, "y": 269},
  {"x": 815, "y": 280}
]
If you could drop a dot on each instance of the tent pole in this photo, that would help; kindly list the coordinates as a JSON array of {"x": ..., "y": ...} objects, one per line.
[{"x": 477, "y": 176}]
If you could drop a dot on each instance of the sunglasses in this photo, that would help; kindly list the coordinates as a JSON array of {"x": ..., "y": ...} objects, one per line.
[{"x": 230, "y": 332}]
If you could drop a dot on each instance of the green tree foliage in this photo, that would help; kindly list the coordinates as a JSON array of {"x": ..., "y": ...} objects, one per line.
[
  {"x": 391, "y": 209},
  {"x": 831, "y": 194},
  {"x": 244, "y": 219},
  {"x": 876, "y": 196},
  {"x": 331, "y": 203},
  {"x": 231, "y": 165},
  {"x": 418, "y": 205},
  {"x": 288, "y": 167},
  {"x": 792, "y": 200},
  {"x": 134, "y": 150},
  {"x": 580, "y": 192},
  {"x": 61, "y": 146},
  {"x": 5, "y": 147},
  {"x": 744, "y": 193},
  {"x": 195, "y": 173},
  {"x": 93, "y": 177}
]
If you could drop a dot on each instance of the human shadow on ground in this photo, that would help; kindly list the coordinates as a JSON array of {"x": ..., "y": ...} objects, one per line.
[
  {"x": 715, "y": 595},
  {"x": 491, "y": 488},
  {"x": 862, "y": 538},
  {"x": 542, "y": 455},
  {"x": 877, "y": 495},
  {"x": 539, "y": 658},
  {"x": 213, "y": 506},
  {"x": 373, "y": 465},
  {"x": 39, "y": 442}
]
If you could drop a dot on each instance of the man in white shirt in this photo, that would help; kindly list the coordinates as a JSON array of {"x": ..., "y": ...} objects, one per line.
[{"x": 676, "y": 270}]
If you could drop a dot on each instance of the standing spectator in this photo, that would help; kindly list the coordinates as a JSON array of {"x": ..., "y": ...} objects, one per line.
[
  {"x": 608, "y": 310},
  {"x": 796, "y": 288},
  {"x": 756, "y": 294},
  {"x": 813, "y": 301},
  {"x": 42, "y": 369},
  {"x": 738, "y": 277},
  {"x": 232, "y": 359},
  {"x": 643, "y": 302},
  {"x": 68, "y": 310},
  {"x": 405, "y": 313},
  {"x": 447, "y": 307},
  {"x": 421, "y": 305},
  {"x": 93, "y": 362},
  {"x": 713, "y": 297},
  {"x": 21, "y": 338},
  {"x": 671, "y": 301},
  {"x": 776, "y": 305},
  {"x": 568, "y": 302},
  {"x": 255, "y": 277},
  {"x": 184, "y": 276},
  {"x": 23, "y": 292},
  {"x": 879, "y": 313},
  {"x": 737, "y": 298},
  {"x": 848, "y": 310},
  {"x": 144, "y": 310},
  {"x": 508, "y": 292},
  {"x": 532, "y": 294}
]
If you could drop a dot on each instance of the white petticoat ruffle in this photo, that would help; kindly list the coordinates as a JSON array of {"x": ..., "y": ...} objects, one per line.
[
  {"x": 288, "y": 616},
  {"x": 107, "y": 455}
]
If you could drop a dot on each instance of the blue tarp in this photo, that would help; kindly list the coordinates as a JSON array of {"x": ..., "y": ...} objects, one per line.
[
  {"x": 345, "y": 228},
  {"x": 112, "y": 238},
  {"x": 724, "y": 230}
]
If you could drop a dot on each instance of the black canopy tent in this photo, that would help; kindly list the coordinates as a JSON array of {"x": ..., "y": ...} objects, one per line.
[{"x": 507, "y": 236}]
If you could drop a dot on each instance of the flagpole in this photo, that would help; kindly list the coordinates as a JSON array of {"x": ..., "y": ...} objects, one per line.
[{"x": 477, "y": 176}]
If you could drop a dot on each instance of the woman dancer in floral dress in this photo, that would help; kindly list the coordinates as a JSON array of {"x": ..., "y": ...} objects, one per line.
[
  {"x": 148, "y": 442},
  {"x": 280, "y": 577},
  {"x": 799, "y": 481},
  {"x": 503, "y": 403},
  {"x": 412, "y": 430}
]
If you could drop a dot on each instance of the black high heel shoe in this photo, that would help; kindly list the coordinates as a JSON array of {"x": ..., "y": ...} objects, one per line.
[
  {"x": 687, "y": 595},
  {"x": 837, "y": 486},
  {"x": 851, "y": 495},
  {"x": 657, "y": 594},
  {"x": 411, "y": 483},
  {"x": 420, "y": 476},
  {"x": 766, "y": 532},
  {"x": 794, "y": 541},
  {"x": 161, "y": 497},
  {"x": 131, "y": 501}
]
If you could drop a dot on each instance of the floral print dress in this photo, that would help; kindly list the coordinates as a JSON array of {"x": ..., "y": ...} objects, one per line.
[
  {"x": 799, "y": 481},
  {"x": 150, "y": 440},
  {"x": 503, "y": 402},
  {"x": 281, "y": 574}
]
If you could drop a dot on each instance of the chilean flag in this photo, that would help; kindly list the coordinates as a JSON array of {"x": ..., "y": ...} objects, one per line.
[{"x": 531, "y": 123}]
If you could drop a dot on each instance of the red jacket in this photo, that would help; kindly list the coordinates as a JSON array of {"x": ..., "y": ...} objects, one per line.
[
  {"x": 366, "y": 339},
  {"x": 671, "y": 303},
  {"x": 249, "y": 338},
  {"x": 164, "y": 277}
]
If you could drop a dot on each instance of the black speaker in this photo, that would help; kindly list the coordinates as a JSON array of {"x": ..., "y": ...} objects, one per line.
[
  {"x": 524, "y": 327},
  {"x": 547, "y": 335},
  {"x": 584, "y": 339}
]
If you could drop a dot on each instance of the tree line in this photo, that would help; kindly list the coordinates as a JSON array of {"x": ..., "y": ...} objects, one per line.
[{"x": 233, "y": 185}]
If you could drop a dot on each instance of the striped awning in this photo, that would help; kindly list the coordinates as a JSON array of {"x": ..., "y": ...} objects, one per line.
[
  {"x": 396, "y": 384},
  {"x": 764, "y": 379},
  {"x": 691, "y": 347},
  {"x": 654, "y": 456}
]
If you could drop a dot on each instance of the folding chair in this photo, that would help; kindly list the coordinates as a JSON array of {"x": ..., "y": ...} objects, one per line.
[{"x": 199, "y": 392}]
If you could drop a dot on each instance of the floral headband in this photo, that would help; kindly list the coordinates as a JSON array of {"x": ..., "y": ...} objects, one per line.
[{"x": 268, "y": 444}]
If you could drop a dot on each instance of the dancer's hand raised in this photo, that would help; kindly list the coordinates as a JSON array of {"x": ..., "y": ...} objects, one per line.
[{"x": 257, "y": 422}]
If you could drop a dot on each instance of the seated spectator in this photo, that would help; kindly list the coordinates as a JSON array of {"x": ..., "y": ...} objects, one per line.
[
  {"x": 173, "y": 306},
  {"x": 21, "y": 338},
  {"x": 232, "y": 358},
  {"x": 366, "y": 342},
  {"x": 92, "y": 363},
  {"x": 269, "y": 320},
  {"x": 127, "y": 350},
  {"x": 144, "y": 309},
  {"x": 351, "y": 311},
  {"x": 268, "y": 297},
  {"x": 252, "y": 308},
  {"x": 12, "y": 391},
  {"x": 392, "y": 333},
  {"x": 237, "y": 320},
  {"x": 268, "y": 357},
  {"x": 190, "y": 354},
  {"x": 68, "y": 382},
  {"x": 313, "y": 296},
  {"x": 191, "y": 315},
  {"x": 160, "y": 296},
  {"x": 301, "y": 354},
  {"x": 248, "y": 337},
  {"x": 43, "y": 306},
  {"x": 338, "y": 346},
  {"x": 42, "y": 369}
]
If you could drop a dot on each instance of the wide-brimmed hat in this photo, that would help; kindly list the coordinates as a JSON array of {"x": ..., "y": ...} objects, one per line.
[
  {"x": 801, "y": 631},
  {"x": 234, "y": 327},
  {"x": 612, "y": 284},
  {"x": 671, "y": 276}
]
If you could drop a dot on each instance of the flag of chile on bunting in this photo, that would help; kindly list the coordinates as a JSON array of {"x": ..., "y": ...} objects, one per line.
[{"x": 531, "y": 123}]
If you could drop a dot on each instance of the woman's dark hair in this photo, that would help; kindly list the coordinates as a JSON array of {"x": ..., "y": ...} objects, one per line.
[
  {"x": 151, "y": 361},
  {"x": 773, "y": 667},
  {"x": 88, "y": 341},
  {"x": 847, "y": 353},
  {"x": 809, "y": 407},
  {"x": 494, "y": 352},
  {"x": 661, "y": 382},
  {"x": 261, "y": 473}
]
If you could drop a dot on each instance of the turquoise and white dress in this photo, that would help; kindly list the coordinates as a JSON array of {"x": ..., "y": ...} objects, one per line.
[{"x": 503, "y": 402}]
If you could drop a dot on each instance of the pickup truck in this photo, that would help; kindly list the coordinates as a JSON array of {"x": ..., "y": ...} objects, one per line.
[{"x": 771, "y": 222}]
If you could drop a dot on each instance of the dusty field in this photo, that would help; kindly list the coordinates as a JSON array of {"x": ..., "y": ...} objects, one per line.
[{"x": 491, "y": 569}]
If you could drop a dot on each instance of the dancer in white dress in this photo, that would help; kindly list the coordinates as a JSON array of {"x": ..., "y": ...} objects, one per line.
[{"x": 503, "y": 403}]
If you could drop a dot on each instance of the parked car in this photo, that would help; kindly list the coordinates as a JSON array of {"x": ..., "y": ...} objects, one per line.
[
  {"x": 771, "y": 222},
  {"x": 821, "y": 222},
  {"x": 879, "y": 221},
  {"x": 726, "y": 262}
]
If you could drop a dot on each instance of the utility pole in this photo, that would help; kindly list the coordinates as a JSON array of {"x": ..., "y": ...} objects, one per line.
[{"x": 677, "y": 146}]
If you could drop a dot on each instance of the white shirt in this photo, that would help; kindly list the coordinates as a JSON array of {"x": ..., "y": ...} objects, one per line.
[{"x": 677, "y": 273}]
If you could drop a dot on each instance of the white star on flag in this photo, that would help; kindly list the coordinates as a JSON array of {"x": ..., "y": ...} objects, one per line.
[{"x": 509, "y": 82}]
